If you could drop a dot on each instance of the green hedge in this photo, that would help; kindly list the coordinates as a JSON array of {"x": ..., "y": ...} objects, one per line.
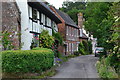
[{"x": 25, "y": 61}]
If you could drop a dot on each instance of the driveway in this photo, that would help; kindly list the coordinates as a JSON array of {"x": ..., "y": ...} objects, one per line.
[{"x": 79, "y": 67}]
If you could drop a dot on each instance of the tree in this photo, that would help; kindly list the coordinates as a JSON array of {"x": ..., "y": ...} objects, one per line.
[
  {"x": 96, "y": 21},
  {"x": 115, "y": 37},
  {"x": 73, "y": 8}
]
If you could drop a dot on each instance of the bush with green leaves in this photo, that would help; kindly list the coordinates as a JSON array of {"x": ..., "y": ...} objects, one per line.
[
  {"x": 85, "y": 48},
  {"x": 27, "y": 61},
  {"x": 77, "y": 53},
  {"x": 58, "y": 38},
  {"x": 81, "y": 49},
  {"x": 6, "y": 41},
  {"x": 58, "y": 42},
  {"x": 105, "y": 70},
  {"x": 85, "y": 44},
  {"x": 90, "y": 47},
  {"x": 46, "y": 40}
]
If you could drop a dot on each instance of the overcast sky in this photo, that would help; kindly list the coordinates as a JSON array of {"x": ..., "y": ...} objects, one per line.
[{"x": 56, "y": 3}]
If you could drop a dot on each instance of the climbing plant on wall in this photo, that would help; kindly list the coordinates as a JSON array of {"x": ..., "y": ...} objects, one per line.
[{"x": 6, "y": 42}]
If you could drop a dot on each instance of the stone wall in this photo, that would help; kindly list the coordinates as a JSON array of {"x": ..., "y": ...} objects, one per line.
[{"x": 11, "y": 23}]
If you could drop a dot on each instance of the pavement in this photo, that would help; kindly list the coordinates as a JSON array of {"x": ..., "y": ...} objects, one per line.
[{"x": 78, "y": 67}]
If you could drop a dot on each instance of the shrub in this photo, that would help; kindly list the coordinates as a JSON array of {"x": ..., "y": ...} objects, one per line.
[
  {"x": 105, "y": 70},
  {"x": 85, "y": 47},
  {"x": 58, "y": 41},
  {"x": 46, "y": 40},
  {"x": 27, "y": 61},
  {"x": 71, "y": 56},
  {"x": 85, "y": 44},
  {"x": 38, "y": 48},
  {"x": 82, "y": 52},
  {"x": 90, "y": 47},
  {"x": 76, "y": 53},
  {"x": 59, "y": 55},
  {"x": 6, "y": 41},
  {"x": 114, "y": 61},
  {"x": 58, "y": 38},
  {"x": 81, "y": 49}
]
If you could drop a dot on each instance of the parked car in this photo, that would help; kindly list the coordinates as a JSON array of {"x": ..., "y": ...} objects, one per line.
[{"x": 99, "y": 51}]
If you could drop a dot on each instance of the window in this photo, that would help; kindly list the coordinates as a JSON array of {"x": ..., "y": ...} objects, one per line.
[
  {"x": 80, "y": 32},
  {"x": 67, "y": 47},
  {"x": 43, "y": 19},
  {"x": 28, "y": 11},
  {"x": 72, "y": 47},
  {"x": 35, "y": 40},
  {"x": 67, "y": 30},
  {"x": 40, "y": 16},
  {"x": 72, "y": 31},
  {"x": 34, "y": 14},
  {"x": 77, "y": 46},
  {"x": 46, "y": 20},
  {"x": 77, "y": 32},
  {"x": 51, "y": 23}
]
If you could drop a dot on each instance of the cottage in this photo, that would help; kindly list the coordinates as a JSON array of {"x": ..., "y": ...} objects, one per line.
[
  {"x": 70, "y": 32},
  {"x": 35, "y": 16}
]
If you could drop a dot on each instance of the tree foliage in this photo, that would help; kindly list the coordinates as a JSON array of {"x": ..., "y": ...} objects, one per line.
[
  {"x": 73, "y": 8},
  {"x": 98, "y": 22},
  {"x": 115, "y": 37}
]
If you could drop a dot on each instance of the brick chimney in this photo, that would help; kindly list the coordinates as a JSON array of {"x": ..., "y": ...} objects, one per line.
[
  {"x": 80, "y": 23},
  {"x": 80, "y": 20}
]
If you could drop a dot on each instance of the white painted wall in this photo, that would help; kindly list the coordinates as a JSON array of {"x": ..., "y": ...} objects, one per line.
[
  {"x": 26, "y": 24},
  {"x": 94, "y": 43},
  {"x": 25, "y": 35}
]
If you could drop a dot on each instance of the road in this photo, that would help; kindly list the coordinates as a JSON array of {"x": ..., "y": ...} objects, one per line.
[{"x": 79, "y": 67}]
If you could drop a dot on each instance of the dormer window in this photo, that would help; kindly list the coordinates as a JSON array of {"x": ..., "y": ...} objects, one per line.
[{"x": 34, "y": 14}]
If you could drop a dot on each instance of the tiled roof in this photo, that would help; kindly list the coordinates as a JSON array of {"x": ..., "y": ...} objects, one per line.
[{"x": 66, "y": 18}]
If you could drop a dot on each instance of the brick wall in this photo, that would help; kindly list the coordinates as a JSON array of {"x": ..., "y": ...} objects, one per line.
[
  {"x": 70, "y": 36},
  {"x": 11, "y": 22}
]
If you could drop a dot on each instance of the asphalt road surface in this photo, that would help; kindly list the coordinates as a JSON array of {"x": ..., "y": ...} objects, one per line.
[{"x": 79, "y": 67}]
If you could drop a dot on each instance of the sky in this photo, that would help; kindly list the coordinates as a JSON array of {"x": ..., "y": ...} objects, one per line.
[{"x": 56, "y": 3}]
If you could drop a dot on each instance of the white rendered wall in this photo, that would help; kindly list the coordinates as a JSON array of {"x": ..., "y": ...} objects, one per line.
[
  {"x": 25, "y": 35},
  {"x": 94, "y": 43}
]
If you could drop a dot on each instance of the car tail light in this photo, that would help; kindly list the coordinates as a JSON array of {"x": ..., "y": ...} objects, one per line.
[{"x": 97, "y": 51}]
